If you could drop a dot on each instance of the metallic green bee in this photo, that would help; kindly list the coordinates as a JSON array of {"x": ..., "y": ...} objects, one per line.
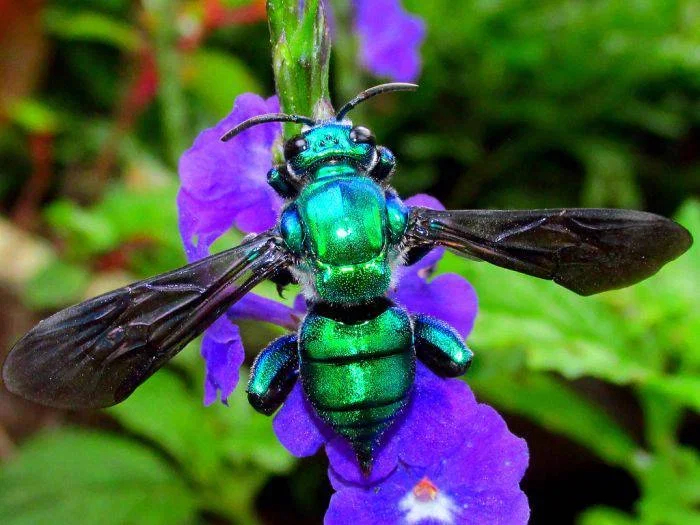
[{"x": 341, "y": 234}]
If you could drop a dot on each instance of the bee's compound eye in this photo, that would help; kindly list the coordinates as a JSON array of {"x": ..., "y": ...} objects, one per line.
[
  {"x": 294, "y": 146},
  {"x": 361, "y": 135}
]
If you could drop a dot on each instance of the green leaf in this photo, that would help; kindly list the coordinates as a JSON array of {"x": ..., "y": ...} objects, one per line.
[
  {"x": 34, "y": 116},
  {"x": 558, "y": 330},
  {"x": 144, "y": 217},
  {"x": 163, "y": 410},
  {"x": 605, "y": 516},
  {"x": 83, "y": 229},
  {"x": 74, "y": 476},
  {"x": 610, "y": 178},
  {"x": 670, "y": 487},
  {"x": 57, "y": 285},
  {"x": 557, "y": 408},
  {"x": 143, "y": 212},
  {"x": 662, "y": 416},
  {"x": 683, "y": 389},
  {"x": 248, "y": 435},
  {"x": 201, "y": 438},
  {"x": 218, "y": 78},
  {"x": 91, "y": 27},
  {"x": 668, "y": 302}
]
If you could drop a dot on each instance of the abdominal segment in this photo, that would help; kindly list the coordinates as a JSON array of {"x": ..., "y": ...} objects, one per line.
[{"x": 357, "y": 367}]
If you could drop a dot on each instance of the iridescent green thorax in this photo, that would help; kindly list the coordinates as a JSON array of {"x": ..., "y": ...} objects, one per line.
[
  {"x": 344, "y": 218},
  {"x": 344, "y": 227},
  {"x": 331, "y": 141},
  {"x": 343, "y": 224}
]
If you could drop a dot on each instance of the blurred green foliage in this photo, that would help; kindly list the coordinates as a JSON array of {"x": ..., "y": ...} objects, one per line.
[
  {"x": 522, "y": 104},
  {"x": 553, "y": 102}
]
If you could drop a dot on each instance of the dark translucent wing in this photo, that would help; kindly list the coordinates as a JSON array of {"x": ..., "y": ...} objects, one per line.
[
  {"x": 585, "y": 250},
  {"x": 96, "y": 353}
]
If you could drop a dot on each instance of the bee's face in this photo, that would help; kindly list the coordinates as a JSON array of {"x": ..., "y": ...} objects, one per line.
[{"x": 330, "y": 142}]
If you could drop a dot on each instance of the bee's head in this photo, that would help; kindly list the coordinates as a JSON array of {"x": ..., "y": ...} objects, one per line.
[
  {"x": 330, "y": 142},
  {"x": 325, "y": 134}
]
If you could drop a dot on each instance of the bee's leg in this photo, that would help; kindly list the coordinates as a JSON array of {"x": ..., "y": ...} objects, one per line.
[
  {"x": 385, "y": 166},
  {"x": 440, "y": 347},
  {"x": 281, "y": 278},
  {"x": 273, "y": 374},
  {"x": 286, "y": 184},
  {"x": 414, "y": 255}
]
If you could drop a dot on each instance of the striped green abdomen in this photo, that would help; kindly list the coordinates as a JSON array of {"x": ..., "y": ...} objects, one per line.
[{"x": 357, "y": 375}]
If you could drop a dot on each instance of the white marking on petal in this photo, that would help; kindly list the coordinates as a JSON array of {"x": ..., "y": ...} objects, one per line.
[{"x": 441, "y": 508}]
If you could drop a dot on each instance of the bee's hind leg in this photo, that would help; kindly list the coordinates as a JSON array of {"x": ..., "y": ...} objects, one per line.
[
  {"x": 440, "y": 347},
  {"x": 273, "y": 374}
]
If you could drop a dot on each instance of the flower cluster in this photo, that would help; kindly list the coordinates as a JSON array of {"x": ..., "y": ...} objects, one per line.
[{"x": 447, "y": 459}]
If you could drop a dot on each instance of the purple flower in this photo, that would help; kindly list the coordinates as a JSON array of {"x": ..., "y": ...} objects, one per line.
[
  {"x": 303, "y": 433},
  {"x": 224, "y": 185},
  {"x": 447, "y": 458},
  {"x": 223, "y": 352},
  {"x": 389, "y": 38},
  {"x": 476, "y": 482}
]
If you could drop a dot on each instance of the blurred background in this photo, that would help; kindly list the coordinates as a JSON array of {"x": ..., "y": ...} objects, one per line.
[{"x": 522, "y": 103}]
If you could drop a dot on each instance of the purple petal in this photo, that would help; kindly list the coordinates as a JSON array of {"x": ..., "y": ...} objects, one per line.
[
  {"x": 434, "y": 426},
  {"x": 257, "y": 308},
  {"x": 222, "y": 348},
  {"x": 297, "y": 427},
  {"x": 224, "y": 184},
  {"x": 430, "y": 429},
  {"x": 385, "y": 502},
  {"x": 424, "y": 200},
  {"x": 477, "y": 481},
  {"x": 449, "y": 297},
  {"x": 360, "y": 506},
  {"x": 343, "y": 462},
  {"x": 300, "y": 303},
  {"x": 495, "y": 507},
  {"x": 390, "y": 39},
  {"x": 223, "y": 352},
  {"x": 488, "y": 447}
]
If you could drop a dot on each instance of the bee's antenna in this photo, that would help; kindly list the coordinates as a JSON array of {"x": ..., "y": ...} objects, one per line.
[
  {"x": 268, "y": 117},
  {"x": 369, "y": 93}
]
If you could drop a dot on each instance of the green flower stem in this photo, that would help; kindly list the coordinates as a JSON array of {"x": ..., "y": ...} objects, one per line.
[{"x": 300, "y": 56}]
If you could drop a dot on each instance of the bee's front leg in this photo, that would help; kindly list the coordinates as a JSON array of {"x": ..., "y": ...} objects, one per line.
[
  {"x": 440, "y": 347},
  {"x": 273, "y": 374},
  {"x": 385, "y": 166}
]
